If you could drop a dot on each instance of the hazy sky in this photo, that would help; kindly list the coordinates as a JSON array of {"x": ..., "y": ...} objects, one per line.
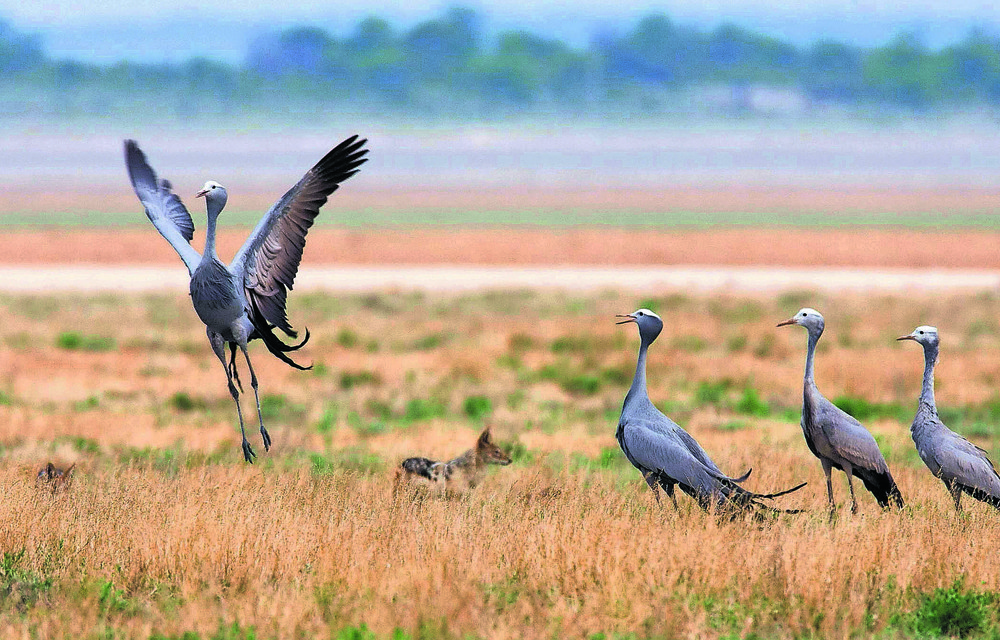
[{"x": 177, "y": 29}]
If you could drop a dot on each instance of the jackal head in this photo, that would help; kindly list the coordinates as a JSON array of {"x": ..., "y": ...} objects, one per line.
[{"x": 489, "y": 452}]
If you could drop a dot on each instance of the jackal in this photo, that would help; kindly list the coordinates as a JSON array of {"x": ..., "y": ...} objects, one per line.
[
  {"x": 467, "y": 469},
  {"x": 51, "y": 476}
]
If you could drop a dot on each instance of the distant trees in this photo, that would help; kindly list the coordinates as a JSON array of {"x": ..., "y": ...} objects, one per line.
[
  {"x": 448, "y": 65},
  {"x": 18, "y": 52}
]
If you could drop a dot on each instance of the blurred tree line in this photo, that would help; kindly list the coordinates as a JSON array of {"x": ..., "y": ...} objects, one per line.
[{"x": 446, "y": 66}]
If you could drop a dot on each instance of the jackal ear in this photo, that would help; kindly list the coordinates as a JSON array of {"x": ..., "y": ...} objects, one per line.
[{"x": 485, "y": 436}]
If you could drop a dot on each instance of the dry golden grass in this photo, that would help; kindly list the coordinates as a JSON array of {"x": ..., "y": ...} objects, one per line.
[{"x": 166, "y": 531}]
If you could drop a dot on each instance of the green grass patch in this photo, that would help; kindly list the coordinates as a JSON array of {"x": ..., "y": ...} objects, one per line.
[
  {"x": 951, "y": 612},
  {"x": 351, "y": 379},
  {"x": 19, "y": 586},
  {"x": 713, "y": 393},
  {"x": 732, "y": 425},
  {"x": 581, "y": 384},
  {"x": 278, "y": 408},
  {"x": 751, "y": 404},
  {"x": 84, "y": 445},
  {"x": 353, "y": 459},
  {"x": 75, "y": 341},
  {"x": 863, "y": 410},
  {"x": 184, "y": 402},
  {"x": 89, "y": 404},
  {"x": 348, "y": 339},
  {"x": 431, "y": 341},
  {"x": 328, "y": 420},
  {"x": 690, "y": 343},
  {"x": 519, "y": 454},
  {"x": 225, "y": 632},
  {"x": 477, "y": 407},
  {"x": 420, "y": 409}
]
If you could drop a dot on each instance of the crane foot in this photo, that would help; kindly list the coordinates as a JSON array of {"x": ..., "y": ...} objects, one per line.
[
  {"x": 266, "y": 438},
  {"x": 248, "y": 453}
]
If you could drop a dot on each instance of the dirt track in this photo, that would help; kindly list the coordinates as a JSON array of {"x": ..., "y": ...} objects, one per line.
[{"x": 453, "y": 279}]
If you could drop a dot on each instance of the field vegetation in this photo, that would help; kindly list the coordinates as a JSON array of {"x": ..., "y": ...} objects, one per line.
[{"x": 166, "y": 533}]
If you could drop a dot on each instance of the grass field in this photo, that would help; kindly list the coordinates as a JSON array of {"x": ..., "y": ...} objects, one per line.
[{"x": 166, "y": 533}]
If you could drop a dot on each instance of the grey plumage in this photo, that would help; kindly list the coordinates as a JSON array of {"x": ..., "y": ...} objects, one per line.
[
  {"x": 245, "y": 300},
  {"x": 961, "y": 465},
  {"x": 665, "y": 454},
  {"x": 836, "y": 438}
]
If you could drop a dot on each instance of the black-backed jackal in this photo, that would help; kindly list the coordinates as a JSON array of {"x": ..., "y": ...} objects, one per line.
[
  {"x": 465, "y": 471},
  {"x": 54, "y": 478}
]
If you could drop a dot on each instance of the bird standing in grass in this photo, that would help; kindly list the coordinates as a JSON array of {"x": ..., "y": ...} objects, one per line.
[
  {"x": 961, "y": 465},
  {"x": 666, "y": 455},
  {"x": 836, "y": 438},
  {"x": 246, "y": 299}
]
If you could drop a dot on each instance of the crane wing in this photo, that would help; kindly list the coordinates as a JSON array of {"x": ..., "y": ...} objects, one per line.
[
  {"x": 849, "y": 438},
  {"x": 163, "y": 208},
  {"x": 965, "y": 462},
  {"x": 702, "y": 456},
  {"x": 269, "y": 259},
  {"x": 659, "y": 452}
]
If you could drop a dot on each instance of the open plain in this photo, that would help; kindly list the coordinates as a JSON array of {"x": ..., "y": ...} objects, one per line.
[{"x": 164, "y": 532}]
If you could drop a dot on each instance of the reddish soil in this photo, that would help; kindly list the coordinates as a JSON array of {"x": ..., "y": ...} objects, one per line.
[
  {"x": 759, "y": 247},
  {"x": 572, "y": 245}
]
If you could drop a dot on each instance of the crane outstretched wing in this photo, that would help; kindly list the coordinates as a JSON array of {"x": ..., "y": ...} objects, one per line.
[
  {"x": 269, "y": 259},
  {"x": 163, "y": 208}
]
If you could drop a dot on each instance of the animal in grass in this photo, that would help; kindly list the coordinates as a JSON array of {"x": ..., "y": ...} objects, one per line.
[
  {"x": 667, "y": 455},
  {"x": 961, "y": 465},
  {"x": 836, "y": 438},
  {"x": 53, "y": 478},
  {"x": 465, "y": 471},
  {"x": 245, "y": 300}
]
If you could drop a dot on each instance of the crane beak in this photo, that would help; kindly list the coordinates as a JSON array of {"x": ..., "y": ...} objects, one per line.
[
  {"x": 787, "y": 322},
  {"x": 909, "y": 337},
  {"x": 630, "y": 317},
  {"x": 201, "y": 193}
]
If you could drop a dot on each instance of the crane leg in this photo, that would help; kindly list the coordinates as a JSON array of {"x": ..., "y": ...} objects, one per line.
[
  {"x": 850, "y": 485},
  {"x": 219, "y": 347},
  {"x": 650, "y": 479},
  {"x": 827, "y": 467},
  {"x": 669, "y": 490},
  {"x": 232, "y": 365},
  {"x": 956, "y": 493},
  {"x": 253, "y": 383}
]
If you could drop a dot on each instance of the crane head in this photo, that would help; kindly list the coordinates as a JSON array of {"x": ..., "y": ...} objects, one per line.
[
  {"x": 212, "y": 189},
  {"x": 806, "y": 317},
  {"x": 649, "y": 323},
  {"x": 925, "y": 335}
]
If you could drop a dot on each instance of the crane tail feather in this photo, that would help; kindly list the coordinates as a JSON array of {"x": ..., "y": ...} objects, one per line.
[{"x": 274, "y": 344}]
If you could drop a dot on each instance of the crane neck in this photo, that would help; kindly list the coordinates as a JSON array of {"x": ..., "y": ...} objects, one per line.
[
  {"x": 638, "y": 388},
  {"x": 927, "y": 390},
  {"x": 214, "y": 209},
  {"x": 809, "y": 379}
]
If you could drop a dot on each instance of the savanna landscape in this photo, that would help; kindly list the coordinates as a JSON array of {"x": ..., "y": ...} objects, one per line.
[{"x": 164, "y": 532}]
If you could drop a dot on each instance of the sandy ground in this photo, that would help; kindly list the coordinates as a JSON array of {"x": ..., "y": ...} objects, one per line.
[
  {"x": 572, "y": 259},
  {"x": 453, "y": 279}
]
